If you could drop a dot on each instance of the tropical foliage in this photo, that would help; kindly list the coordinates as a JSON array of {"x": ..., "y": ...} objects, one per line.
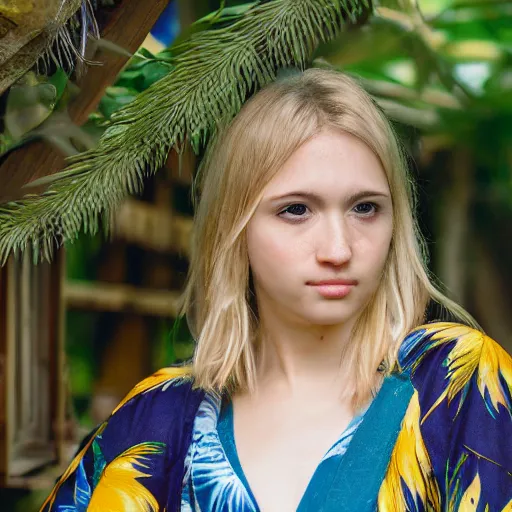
[
  {"x": 410, "y": 472},
  {"x": 115, "y": 485},
  {"x": 473, "y": 355}
]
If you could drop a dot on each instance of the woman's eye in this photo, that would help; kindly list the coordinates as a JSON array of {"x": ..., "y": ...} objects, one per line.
[
  {"x": 366, "y": 209},
  {"x": 295, "y": 210}
]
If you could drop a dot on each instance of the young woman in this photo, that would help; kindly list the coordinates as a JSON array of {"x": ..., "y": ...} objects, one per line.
[{"x": 314, "y": 385}]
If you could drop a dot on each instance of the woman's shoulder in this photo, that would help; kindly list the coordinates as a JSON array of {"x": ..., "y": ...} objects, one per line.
[
  {"x": 458, "y": 360},
  {"x": 167, "y": 392},
  {"x": 162, "y": 404},
  {"x": 151, "y": 425},
  {"x": 173, "y": 382},
  {"x": 460, "y": 413}
]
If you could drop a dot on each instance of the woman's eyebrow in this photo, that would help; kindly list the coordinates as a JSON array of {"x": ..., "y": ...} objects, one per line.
[
  {"x": 367, "y": 193},
  {"x": 318, "y": 199}
]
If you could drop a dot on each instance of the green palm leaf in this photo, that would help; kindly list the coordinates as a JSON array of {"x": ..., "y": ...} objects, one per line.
[{"x": 214, "y": 71}]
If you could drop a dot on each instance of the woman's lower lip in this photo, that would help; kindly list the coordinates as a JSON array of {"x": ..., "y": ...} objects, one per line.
[{"x": 333, "y": 291}]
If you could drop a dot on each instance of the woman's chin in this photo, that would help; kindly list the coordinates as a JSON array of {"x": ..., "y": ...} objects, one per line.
[{"x": 328, "y": 317}]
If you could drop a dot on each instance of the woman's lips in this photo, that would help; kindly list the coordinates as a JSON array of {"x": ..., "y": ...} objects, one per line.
[{"x": 334, "y": 289}]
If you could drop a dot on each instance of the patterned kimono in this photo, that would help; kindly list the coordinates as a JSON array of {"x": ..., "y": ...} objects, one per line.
[{"x": 437, "y": 437}]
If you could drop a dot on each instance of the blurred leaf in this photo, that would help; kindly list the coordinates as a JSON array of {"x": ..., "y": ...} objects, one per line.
[
  {"x": 105, "y": 44},
  {"x": 497, "y": 89},
  {"x": 153, "y": 72},
  {"x": 144, "y": 74},
  {"x": 370, "y": 45},
  {"x": 27, "y": 107},
  {"x": 145, "y": 53},
  {"x": 29, "y": 104},
  {"x": 114, "y": 99},
  {"x": 472, "y": 50},
  {"x": 222, "y": 16},
  {"x": 60, "y": 81},
  {"x": 434, "y": 7},
  {"x": 134, "y": 79}
]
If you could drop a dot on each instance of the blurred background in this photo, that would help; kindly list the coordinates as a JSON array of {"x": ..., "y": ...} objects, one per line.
[{"x": 78, "y": 332}]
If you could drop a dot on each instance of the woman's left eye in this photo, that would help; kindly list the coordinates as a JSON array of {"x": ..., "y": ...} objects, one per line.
[{"x": 366, "y": 209}]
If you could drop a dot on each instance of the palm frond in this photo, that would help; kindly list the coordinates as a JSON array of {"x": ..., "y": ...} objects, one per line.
[{"x": 215, "y": 70}]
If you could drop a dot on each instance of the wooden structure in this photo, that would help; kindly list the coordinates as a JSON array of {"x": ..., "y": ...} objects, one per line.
[
  {"x": 139, "y": 279},
  {"x": 31, "y": 398},
  {"x": 32, "y": 299}
]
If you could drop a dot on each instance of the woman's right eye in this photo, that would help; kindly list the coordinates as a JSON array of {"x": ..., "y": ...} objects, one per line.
[{"x": 295, "y": 210}]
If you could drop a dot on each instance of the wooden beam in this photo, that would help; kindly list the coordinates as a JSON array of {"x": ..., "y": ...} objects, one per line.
[
  {"x": 30, "y": 321},
  {"x": 119, "y": 297},
  {"x": 126, "y": 25},
  {"x": 59, "y": 386},
  {"x": 153, "y": 227}
]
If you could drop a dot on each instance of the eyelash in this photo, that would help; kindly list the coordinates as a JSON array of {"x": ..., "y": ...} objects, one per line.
[{"x": 375, "y": 209}]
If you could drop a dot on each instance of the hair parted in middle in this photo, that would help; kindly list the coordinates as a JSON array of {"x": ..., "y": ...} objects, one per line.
[{"x": 219, "y": 301}]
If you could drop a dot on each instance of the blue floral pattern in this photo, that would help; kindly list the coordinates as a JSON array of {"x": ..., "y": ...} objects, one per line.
[{"x": 210, "y": 481}]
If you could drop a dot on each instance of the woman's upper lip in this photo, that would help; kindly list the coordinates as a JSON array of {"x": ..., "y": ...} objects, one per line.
[{"x": 334, "y": 282}]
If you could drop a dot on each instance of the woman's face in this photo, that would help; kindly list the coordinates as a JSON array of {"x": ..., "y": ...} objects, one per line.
[{"x": 327, "y": 215}]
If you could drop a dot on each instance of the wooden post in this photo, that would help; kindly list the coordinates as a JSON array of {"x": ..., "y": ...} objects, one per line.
[
  {"x": 31, "y": 352},
  {"x": 454, "y": 226},
  {"x": 58, "y": 375},
  {"x": 3, "y": 375}
]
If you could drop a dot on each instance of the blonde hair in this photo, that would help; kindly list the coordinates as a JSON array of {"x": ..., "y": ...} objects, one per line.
[{"x": 218, "y": 298}]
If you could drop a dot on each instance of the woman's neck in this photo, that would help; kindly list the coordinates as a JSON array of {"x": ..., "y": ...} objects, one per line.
[{"x": 296, "y": 358}]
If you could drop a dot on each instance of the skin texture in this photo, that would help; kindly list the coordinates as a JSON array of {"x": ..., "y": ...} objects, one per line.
[{"x": 284, "y": 429}]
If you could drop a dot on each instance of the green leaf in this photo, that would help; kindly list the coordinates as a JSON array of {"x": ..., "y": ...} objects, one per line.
[
  {"x": 140, "y": 77},
  {"x": 220, "y": 17},
  {"x": 112, "y": 101},
  {"x": 60, "y": 81},
  {"x": 145, "y": 53},
  {"x": 27, "y": 107}
]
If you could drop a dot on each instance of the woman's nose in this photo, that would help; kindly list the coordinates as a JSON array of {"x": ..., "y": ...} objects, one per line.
[{"x": 334, "y": 243}]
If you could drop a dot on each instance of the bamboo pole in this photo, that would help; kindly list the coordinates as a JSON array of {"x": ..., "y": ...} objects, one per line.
[{"x": 120, "y": 297}]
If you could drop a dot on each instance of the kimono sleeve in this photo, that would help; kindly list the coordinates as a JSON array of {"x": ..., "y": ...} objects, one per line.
[
  {"x": 73, "y": 487},
  {"x": 464, "y": 384},
  {"x": 124, "y": 464}
]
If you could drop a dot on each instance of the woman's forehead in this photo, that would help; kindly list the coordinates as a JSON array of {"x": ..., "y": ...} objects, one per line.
[{"x": 328, "y": 163}]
